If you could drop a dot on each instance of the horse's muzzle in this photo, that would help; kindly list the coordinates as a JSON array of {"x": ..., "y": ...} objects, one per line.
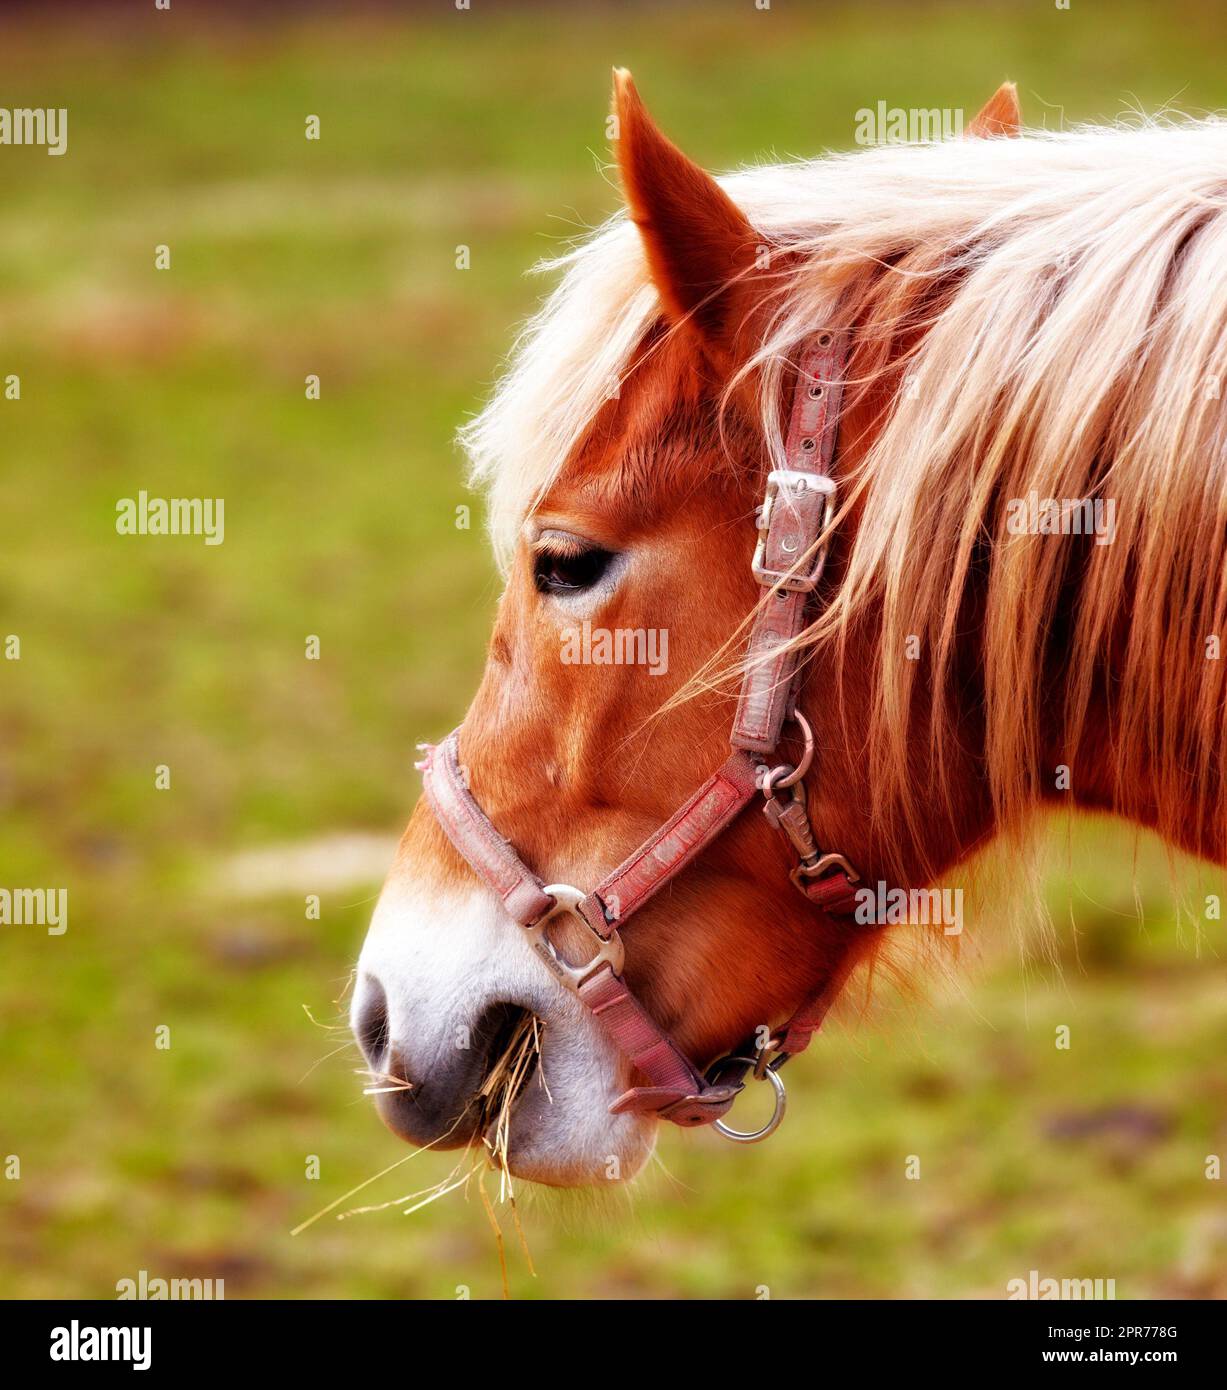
[{"x": 430, "y": 1097}]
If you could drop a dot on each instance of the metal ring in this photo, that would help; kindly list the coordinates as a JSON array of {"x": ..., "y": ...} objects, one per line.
[
  {"x": 753, "y": 1136},
  {"x": 772, "y": 777},
  {"x": 807, "y": 756}
]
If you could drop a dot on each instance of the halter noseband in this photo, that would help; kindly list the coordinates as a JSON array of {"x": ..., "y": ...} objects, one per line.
[{"x": 792, "y": 524}]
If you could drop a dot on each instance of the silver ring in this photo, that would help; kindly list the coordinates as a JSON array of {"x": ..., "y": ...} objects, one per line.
[{"x": 752, "y": 1136}]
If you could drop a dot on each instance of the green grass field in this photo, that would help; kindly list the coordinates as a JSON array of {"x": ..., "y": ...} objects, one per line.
[{"x": 336, "y": 257}]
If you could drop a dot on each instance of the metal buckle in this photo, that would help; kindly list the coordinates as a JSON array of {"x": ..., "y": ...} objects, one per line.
[
  {"x": 823, "y": 864},
  {"x": 781, "y": 480},
  {"x": 769, "y": 1073},
  {"x": 610, "y": 950}
]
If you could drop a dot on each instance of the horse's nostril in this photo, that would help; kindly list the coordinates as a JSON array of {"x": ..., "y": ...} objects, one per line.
[{"x": 371, "y": 1025}]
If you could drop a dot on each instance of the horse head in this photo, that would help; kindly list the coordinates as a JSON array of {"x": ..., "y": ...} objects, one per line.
[{"x": 625, "y": 455}]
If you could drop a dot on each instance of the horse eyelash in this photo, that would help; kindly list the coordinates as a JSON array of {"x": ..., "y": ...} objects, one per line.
[{"x": 563, "y": 545}]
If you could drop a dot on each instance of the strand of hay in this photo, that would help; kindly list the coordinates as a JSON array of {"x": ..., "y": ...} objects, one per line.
[{"x": 495, "y": 1102}]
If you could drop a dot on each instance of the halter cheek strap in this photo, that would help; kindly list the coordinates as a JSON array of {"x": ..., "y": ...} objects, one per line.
[{"x": 793, "y": 524}]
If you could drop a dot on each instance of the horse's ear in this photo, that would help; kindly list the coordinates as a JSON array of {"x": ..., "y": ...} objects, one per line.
[
  {"x": 700, "y": 248},
  {"x": 1000, "y": 114}
]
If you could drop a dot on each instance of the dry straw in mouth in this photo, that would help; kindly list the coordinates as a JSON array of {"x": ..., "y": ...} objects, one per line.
[{"x": 496, "y": 1100}]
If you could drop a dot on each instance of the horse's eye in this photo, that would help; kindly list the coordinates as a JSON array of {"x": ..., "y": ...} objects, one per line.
[{"x": 569, "y": 571}]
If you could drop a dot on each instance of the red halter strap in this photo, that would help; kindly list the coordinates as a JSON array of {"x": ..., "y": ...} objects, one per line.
[{"x": 793, "y": 524}]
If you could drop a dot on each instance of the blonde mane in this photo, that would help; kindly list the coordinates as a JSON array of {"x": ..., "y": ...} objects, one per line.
[{"x": 1050, "y": 314}]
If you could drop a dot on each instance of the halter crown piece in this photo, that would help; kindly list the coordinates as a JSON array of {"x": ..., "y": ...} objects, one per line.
[{"x": 793, "y": 531}]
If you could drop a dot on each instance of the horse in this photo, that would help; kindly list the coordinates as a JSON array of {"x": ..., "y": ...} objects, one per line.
[{"x": 1025, "y": 333}]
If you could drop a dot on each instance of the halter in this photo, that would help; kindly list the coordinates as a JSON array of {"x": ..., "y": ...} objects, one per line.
[{"x": 793, "y": 526}]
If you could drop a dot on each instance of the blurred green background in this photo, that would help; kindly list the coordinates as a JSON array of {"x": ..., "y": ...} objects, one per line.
[{"x": 336, "y": 257}]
